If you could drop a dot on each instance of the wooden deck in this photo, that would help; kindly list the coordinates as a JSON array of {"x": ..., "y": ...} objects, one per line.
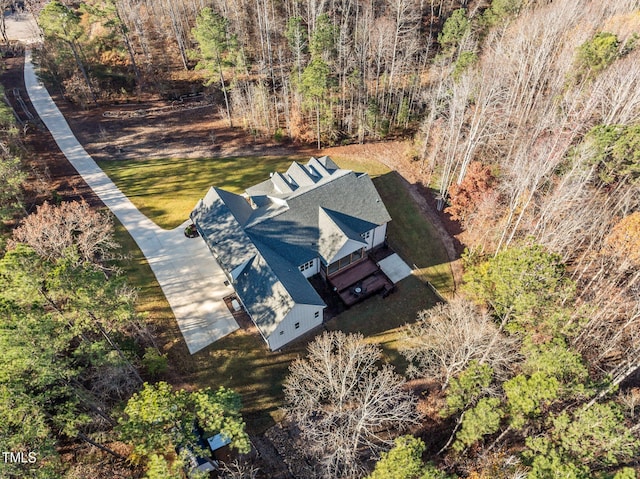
[
  {"x": 360, "y": 281},
  {"x": 352, "y": 275}
]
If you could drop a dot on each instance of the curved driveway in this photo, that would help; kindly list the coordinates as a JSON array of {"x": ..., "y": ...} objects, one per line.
[{"x": 189, "y": 276}]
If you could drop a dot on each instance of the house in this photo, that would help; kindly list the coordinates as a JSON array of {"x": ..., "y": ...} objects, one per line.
[
  {"x": 314, "y": 218},
  {"x": 201, "y": 458}
]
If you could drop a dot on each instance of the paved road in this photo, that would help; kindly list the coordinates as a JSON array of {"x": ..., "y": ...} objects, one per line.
[
  {"x": 21, "y": 26},
  {"x": 189, "y": 276}
]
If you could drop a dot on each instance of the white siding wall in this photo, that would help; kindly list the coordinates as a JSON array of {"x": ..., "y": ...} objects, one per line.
[
  {"x": 305, "y": 314},
  {"x": 315, "y": 268},
  {"x": 376, "y": 236}
]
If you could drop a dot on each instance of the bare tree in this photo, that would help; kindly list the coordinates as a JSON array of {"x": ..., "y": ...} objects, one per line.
[
  {"x": 447, "y": 337},
  {"x": 52, "y": 230},
  {"x": 4, "y": 4},
  {"x": 237, "y": 469},
  {"x": 345, "y": 405}
]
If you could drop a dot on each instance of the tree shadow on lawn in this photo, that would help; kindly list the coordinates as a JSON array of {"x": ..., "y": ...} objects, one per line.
[
  {"x": 381, "y": 320},
  {"x": 243, "y": 362},
  {"x": 410, "y": 234}
]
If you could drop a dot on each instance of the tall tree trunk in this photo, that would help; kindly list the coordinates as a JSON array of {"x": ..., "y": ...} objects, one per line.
[
  {"x": 125, "y": 38},
  {"x": 3, "y": 28},
  {"x": 318, "y": 121},
  {"x": 79, "y": 62},
  {"x": 177, "y": 30},
  {"x": 102, "y": 447},
  {"x": 224, "y": 90}
]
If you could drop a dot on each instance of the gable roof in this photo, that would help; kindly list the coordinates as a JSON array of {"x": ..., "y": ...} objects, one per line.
[
  {"x": 268, "y": 285},
  {"x": 261, "y": 238},
  {"x": 351, "y": 198},
  {"x": 336, "y": 239}
]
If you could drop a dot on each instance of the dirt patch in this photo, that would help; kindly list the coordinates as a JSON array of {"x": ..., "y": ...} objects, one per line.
[
  {"x": 270, "y": 462},
  {"x": 51, "y": 176},
  {"x": 156, "y": 128}
]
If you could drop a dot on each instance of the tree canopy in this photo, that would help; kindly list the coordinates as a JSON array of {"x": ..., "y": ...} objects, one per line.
[
  {"x": 340, "y": 399},
  {"x": 158, "y": 420},
  {"x": 524, "y": 284},
  {"x": 12, "y": 175},
  {"x": 404, "y": 461},
  {"x": 616, "y": 152}
]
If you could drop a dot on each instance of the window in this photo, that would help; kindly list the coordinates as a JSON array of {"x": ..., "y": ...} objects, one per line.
[
  {"x": 297, "y": 325},
  {"x": 306, "y": 266},
  {"x": 317, "y": 314},
  {"x": 345, "y": 261},
  {"x": 366, "y": 235}
]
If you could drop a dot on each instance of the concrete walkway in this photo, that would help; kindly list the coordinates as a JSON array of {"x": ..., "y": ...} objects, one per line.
[{"x": 189, "y": 276}]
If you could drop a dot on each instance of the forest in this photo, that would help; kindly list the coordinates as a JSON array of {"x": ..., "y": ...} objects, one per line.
[{"x": 522, "y": 117}]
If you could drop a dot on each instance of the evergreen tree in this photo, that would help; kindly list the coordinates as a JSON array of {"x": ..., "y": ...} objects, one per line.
[
  {"x": 524, "y": 285},
  {"x": 61, "y": 22},
  {"x": 214, "y": 42},
  {"x": 404, "y": 461},
  {"x": 157, "y": 420}
]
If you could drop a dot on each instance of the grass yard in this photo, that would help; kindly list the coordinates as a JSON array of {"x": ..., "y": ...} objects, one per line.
[
  {"x": 166, "y": 190},
  {"x": 412, "y": 237},
  {"x": 381, "y": 320}
]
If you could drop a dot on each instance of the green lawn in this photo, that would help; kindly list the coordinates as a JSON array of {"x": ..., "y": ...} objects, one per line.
[
  {"x": 412, "y": 237},
  {"x": 166, "y": 190},
  {"x": 382, "y": 320}
]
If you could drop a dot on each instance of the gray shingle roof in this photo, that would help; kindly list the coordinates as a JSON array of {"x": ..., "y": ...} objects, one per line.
[
  {"x": 290, "y": 276},
  {"x": 312, "y": 210},
  {"x": 334, "y": 236},
  {"x": 301, "y": 175},
  {"x": 328, "y": 163},
  {"x": 351, "y": 198},
  {"x": 221, "y": 230},
  {"x": 264, "y": 297},
  {"x": 268, "y": 285}
]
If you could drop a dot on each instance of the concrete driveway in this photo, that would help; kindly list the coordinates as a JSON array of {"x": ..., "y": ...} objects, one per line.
[{"x": 190, "y": 278}]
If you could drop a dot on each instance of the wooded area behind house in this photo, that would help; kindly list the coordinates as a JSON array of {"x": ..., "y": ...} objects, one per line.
[{"x": 523, "y": 118}]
